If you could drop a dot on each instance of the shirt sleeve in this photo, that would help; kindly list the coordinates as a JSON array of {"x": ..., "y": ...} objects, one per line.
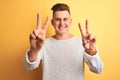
[
  {"x": 94, "y": 62},
  {"x": 32, "y": 65}
]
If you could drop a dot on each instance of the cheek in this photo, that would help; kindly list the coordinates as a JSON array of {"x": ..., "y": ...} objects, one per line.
[
  {"x": 68, "y": 24},
  {"x": 56, "y": 24}
]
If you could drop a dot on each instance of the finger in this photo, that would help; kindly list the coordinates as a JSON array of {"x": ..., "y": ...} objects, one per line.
[
  {"x": 92, "y": 38},
  {"x": 81, "y": 30},
  {"x": 46, "y": 23},
  {"x": 32, "y": 36},
  {"x": 87, "y": 27},
  {"x": 35, "y": 32},
  {"x": 38, "y": 21},
  {"x": 93, "y": 42}
]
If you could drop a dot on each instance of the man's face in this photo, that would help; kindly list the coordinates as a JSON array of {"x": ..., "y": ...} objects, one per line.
[{"x": 61, "y": 22}]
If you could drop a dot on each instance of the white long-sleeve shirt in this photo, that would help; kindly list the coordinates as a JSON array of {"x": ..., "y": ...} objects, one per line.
[{"x": 64, "y": 60}]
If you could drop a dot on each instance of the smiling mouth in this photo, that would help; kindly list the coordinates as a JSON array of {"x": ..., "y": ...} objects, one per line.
[{"x": 62, "y": 27}]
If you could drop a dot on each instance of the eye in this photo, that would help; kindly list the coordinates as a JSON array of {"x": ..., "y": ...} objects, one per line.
[
  {"x": 57, "y": 19},
  {"x": 65, "y": 19}
]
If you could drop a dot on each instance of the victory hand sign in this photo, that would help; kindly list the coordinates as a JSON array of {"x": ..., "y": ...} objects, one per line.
[
  {"x": 89, "y": 41},
  {"x": 37, "y": 37}
]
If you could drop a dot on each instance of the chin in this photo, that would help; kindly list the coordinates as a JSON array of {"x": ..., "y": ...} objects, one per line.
[{"x": 62, "y": 32}]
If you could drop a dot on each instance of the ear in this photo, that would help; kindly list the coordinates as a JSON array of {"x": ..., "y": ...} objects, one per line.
[
  {"x": 52, "y": 21},
  {"x": 71, "y": 20}
]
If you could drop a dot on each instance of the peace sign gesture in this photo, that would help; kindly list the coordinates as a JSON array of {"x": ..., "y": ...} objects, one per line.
[
  {"x": 37, "y": 37},
  {"x": 89, "y": 41}
]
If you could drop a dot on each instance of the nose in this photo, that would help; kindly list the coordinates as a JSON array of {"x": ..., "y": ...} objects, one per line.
[{"x": 62, "y": 22}]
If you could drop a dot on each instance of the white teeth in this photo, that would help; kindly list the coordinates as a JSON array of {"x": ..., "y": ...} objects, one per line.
[{"x": 62, "y": 27}]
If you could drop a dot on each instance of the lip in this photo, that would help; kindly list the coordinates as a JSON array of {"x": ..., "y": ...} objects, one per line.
[{"x": 62, "y": 27}]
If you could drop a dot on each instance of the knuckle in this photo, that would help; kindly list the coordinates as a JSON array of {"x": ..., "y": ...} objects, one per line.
[
  {"x": 32, "y": 36},
  {"x": 35, "y": 32}
]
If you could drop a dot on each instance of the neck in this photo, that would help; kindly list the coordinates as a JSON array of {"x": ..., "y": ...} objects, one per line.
[{"x": 63, "y": 37}]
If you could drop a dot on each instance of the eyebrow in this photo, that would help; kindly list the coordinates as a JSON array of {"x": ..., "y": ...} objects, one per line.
[{"x": 60, "y": 18}]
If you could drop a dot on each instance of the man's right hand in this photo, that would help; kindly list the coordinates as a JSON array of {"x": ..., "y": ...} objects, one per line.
[{"x": 37, "y": 37}]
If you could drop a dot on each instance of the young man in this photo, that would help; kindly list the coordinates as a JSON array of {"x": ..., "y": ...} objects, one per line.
[{"x": 63, "y": 55}]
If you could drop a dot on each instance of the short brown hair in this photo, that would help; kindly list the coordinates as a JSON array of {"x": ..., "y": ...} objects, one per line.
[{"x": 60, "y": 7}]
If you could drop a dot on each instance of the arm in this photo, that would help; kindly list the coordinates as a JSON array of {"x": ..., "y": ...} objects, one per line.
[
  {"x": 28, "y": 65},
  {"x": 94, "y": 62},
  {"x": 91, "y": 56}
]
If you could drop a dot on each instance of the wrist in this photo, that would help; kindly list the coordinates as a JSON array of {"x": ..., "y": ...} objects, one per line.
[
  {"x": 32, "y": 54},
  {"x": 91, "y": 52}
]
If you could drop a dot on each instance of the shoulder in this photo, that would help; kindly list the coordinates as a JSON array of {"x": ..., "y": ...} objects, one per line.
[
  {"x": 49, "y": 39},
  {"x": 76, "y": 38}
]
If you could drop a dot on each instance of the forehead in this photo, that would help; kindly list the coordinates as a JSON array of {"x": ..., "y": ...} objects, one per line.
[{"x": 61, "y": 14}]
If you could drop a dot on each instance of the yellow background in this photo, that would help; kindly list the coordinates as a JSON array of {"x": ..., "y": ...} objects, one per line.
[{"x": 18, "y": 19}]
